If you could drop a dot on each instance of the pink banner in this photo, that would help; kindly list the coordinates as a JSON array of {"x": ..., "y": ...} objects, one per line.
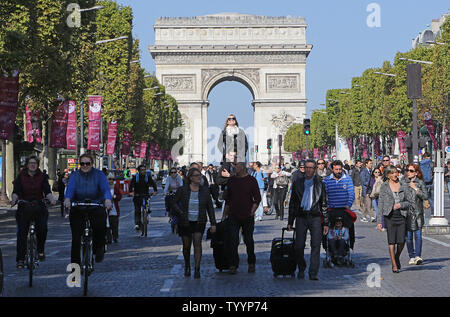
[
  {"x": 143, "y": 153},
  {"x": 95, "y": 117},
  {"x": 59, "y": 127},
  {"x": 9, "y": 94},
  {"x": 137, "y": 149},
  {"x": 350, "y": 146},
  {"x": 316, "y": 153},
  {"x": 33, "y": 118},
  {"x": 112, "y": 135},
  {"x": 126, "y": 143},
  {"x": 401, "y": 135},
  {"x": 430, "y": 129},
  {"x": 376, "y": 142},
  {"x": 71, "y": 133}
]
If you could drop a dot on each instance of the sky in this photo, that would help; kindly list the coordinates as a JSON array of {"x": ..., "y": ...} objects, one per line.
[{"x": 344, "y": 44}]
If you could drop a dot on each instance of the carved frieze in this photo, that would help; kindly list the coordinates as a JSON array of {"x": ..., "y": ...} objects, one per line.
[
  {"x": 282, "y": 121},
  {"x": 283, "y": 82},
  {"x": 251, "y": 73},
  {"x": 182, "y": 83},
  {"x": 228, "y": 58}
]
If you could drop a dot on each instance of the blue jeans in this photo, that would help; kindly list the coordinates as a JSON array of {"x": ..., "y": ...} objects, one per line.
[
  {"x": 260, "y": 210},
  {"x": 375, "y": 208},
  {"x": 414, "y": 249},
  {"x": 430, "y": 189}
]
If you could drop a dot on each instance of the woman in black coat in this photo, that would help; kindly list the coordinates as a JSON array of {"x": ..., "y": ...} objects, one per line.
[
  {"x": 415, "y": 219},
  {"x": 192, "y": 205}
]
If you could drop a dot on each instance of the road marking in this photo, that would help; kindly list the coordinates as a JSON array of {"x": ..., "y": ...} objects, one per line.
[
  {"x": 167, "y": 286},
  {"x": 437, "y": 241}
]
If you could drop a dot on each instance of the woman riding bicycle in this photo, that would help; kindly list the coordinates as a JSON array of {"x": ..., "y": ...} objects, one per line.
[
  {"x": 30, "y": 187},
  {"x": 88, "y": 184}
]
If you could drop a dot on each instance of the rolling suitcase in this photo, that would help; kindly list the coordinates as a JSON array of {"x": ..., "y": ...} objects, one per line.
[
  {"x": 282, "y": 255},
  {"x": 221, "y": 246}
]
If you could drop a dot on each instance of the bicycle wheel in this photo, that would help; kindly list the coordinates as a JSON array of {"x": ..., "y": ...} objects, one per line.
[
  {"x": 30, "y": 258},
  {"x": 86, "y": 249},
  {"x": 144, "y": 221}
]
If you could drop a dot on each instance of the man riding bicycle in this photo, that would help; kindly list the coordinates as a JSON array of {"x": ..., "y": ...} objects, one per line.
[
  {"x": 139, "y": 187},
  {"x": 30, "y": 187},
  {"x": 88, "y": 184}
]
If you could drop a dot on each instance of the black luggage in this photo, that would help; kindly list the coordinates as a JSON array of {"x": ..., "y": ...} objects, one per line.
[
  {"x": 282, "y": 255},
  {"x": 220, "y": 243}
]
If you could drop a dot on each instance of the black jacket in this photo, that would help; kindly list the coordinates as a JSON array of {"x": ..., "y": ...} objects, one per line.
[
  {"x": 180, "y": 205},
  {"x": 142, "y": 187},
  {"x": 319, "y": 206}
]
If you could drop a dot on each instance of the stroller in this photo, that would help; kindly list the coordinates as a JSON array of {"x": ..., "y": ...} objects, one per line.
[{"x": 333, "y": 257}]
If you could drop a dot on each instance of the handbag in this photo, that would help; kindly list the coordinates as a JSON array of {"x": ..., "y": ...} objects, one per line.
[{"x": 426, "y": 204}]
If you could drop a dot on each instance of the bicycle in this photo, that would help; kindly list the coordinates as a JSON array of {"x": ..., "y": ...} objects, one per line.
[
  {"x": 173, "y": 218},
  {"x": 145, "y": 212},
  {"x": 87, "y": 253},
  {"x": 32, "y": 257}
]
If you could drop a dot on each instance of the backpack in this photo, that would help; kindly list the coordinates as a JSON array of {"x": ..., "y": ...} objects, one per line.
[{"x": 427, "y": 172}]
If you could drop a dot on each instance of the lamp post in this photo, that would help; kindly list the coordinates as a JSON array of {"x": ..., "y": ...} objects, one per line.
[{"x": 90, "y": 9}]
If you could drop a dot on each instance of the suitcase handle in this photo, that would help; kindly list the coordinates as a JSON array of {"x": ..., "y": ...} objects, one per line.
[{"x": 282, "y": 234}]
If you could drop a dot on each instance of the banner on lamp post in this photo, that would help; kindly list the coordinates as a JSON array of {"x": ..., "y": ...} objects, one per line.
[
  {"x": 71, "y": 133},
  {"x": 143, "y": 153},
  {"x": 126, "y": 143},
  {"x": 33, "y": 134},
  {"x": 112, "y": 135},
  {"x": 95, "y": 117},
  {"x": 59, "y": 127},
  {"x": 430, "y": 129},
  {"x": 401, "y": 135},
  {"x": 137, "y": 149},
  {"x": 9, "y": 99}
]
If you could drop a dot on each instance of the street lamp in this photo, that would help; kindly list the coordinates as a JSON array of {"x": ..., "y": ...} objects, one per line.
[
  {"x": 89, "y": 9},
  {"x": 436, "y": 43},
  {"x": 132, "y": 62},
  {"x": 415, "y": 60},
  {"x": 385, "y": 74},
  {"x": 112, "y": 40},
  {"x": 157, "y": 87}
]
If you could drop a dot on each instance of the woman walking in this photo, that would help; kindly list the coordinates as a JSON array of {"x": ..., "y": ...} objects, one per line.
[
  {"x": 394, "y": 203},
  {"x": 192, "y": 203},
  {"x": 114, "y": 213},
  {"x": 415, "y": 219},
  {"x": 281, "y": 183},
  {"x": 233, "y": 142},
  {"x": 376, "y": 180}
]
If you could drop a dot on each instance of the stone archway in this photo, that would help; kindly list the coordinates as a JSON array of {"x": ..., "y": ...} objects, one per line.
[{"x": 266, "y": 54}]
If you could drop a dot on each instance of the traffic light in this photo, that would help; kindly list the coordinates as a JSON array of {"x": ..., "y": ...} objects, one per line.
[
  {"x": 256, "y": 148},
  {"x": 306, "y": 126},
  {"x": 269, "y": 144}
]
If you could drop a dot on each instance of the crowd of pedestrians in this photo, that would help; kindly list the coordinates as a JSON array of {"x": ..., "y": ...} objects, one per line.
[{"x": 322, "y": 198}]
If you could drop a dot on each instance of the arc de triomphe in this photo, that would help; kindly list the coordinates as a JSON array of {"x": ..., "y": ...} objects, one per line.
[{"x": 266, "y": 54}]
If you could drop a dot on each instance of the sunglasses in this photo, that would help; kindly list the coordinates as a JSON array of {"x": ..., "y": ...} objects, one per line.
[
  {"x": 301, "y": 167},
  {"x": 320, "y": 163},
  {"x": 386, "y": 160},
  {"x": 229, "y": 119},
  {"x": 85, "y": 164},
  {"x": 376, "y": 172},
  {"x": 412, "y": 171},
  {"x": 173, "y": 172}
]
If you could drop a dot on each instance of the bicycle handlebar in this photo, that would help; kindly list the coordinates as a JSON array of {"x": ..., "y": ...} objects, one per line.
[
  {"x": 43, "y": 200},
  {"x": 84, "y": 204}
]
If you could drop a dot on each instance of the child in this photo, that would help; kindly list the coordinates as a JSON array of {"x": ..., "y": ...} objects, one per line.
[{"x": 337, "y": 239}]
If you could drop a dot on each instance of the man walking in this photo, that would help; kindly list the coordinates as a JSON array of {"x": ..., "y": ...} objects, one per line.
[
  {"x": 307, "y": 206},
  {"x": 366, "y": 200},
  {"x": 357, "y": 184},
  {"x": 211, "y": 175},
  {"x": 260, "y": 178},
  {"x": 243, "y": 198}
]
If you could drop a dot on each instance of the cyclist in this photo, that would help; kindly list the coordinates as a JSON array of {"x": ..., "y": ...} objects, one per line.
[
  {"x": 139, "y": 186},
  {"x": 31, "y": 185},
  {"x": 88, "y": 183}
]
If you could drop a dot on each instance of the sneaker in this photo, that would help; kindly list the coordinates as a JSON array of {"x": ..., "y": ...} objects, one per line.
[
  {"x": 313, "y": 277},
  {"x": 20, "y": 264},
  {"x": 364, "y": 220},
  {"x": 41, "y": 256},
  {"x": 136, "y": 227},
  {"x": 373, "y": 219},
  {"x": 412, "y": 261},
  {"x": 418, "y": 260}
]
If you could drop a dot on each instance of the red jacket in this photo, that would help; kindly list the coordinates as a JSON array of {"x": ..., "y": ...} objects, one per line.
[{"x": 118, "y": 197}]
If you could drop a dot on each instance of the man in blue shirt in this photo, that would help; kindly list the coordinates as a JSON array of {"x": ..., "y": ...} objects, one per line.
[
  {"x": 88, "y": 183},
  {"x": 260, "y": 178},
  {"x": 341, "y": 194}
]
